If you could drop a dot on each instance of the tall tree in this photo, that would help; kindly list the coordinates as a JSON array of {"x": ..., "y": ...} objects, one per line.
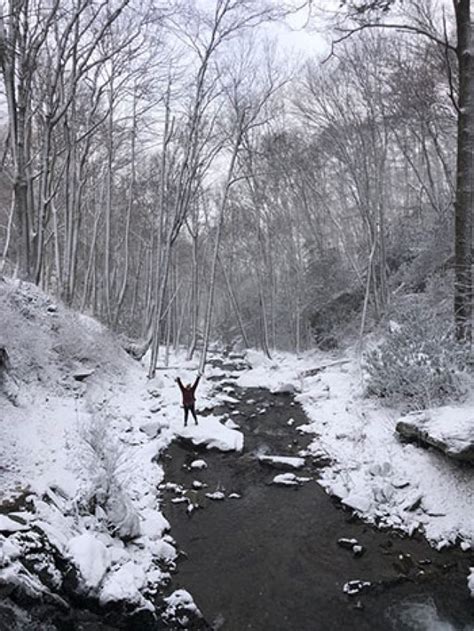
[{"x": 363, "y": 11}]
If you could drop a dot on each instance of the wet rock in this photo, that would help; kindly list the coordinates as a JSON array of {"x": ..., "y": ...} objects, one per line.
[
  {"x": 353, "y": 545},
  {"x": 347, "y": 544},
  {"x": 404, "y": 564}
]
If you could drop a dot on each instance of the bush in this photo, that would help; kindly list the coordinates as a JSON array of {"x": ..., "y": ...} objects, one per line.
[
  {"x": 419, "y": 364},
  {"x": 105, "y": 465}
]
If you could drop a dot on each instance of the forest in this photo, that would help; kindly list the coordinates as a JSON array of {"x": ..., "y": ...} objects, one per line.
[
  {"x": 259, "y": 212},
  {"x": 163, "y": 167}
]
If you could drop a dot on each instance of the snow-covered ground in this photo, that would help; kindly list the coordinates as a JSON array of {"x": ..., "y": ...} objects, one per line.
[
  {"x": 372, "y": 471},
  {"x": 81, "y": 427}
]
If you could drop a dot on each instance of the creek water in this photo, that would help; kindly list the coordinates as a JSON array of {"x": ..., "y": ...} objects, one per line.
[{"x": 270, "y": 560}]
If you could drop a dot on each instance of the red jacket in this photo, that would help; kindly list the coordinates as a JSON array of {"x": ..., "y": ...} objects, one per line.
[{"x": 188, "y": 393}]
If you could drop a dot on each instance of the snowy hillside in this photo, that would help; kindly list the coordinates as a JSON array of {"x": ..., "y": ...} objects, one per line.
[{"x": 81, "y": 428}]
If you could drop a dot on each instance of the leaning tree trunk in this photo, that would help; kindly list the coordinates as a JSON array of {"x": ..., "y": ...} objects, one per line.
[{"x": 465, "y": 175}]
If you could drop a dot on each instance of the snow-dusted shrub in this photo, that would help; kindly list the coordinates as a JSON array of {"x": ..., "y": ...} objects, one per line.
[
  {"x": 105, "y": 465},
  {"x": 418, "y": 364}
]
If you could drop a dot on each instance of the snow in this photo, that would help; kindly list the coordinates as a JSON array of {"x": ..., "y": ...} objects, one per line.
[
  {"x": 124, "y": 584},
  {"x": 451, "y": 428},
  {"x": 285, "y": 479},
  {"x": 213, "y": 434},
  {"x": 198, "y": 464},
  {"x": 90, "y": 556},
  {"x": 96, "y": 501},
  {"x": 470, "y": 581},
  {"x": 371, "y": 470},
  {"x": 289, "y": 479},
  {"x": 217, "y": 495},
  {"x": 354, "y": 587},
  {"x": 286, "y": 461},
  {"x": 11, "y": 525},
  {"x": 180, "y": 599},
  {"x": 117, "y": 543}
]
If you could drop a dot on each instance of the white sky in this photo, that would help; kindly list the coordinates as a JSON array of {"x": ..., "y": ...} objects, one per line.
[{"x": 298, "y": 38}]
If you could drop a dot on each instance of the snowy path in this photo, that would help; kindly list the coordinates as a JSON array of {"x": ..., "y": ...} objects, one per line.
[{"x": 262, "y": 556}]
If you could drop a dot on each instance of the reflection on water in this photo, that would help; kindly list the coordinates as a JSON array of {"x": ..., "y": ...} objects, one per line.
[{"x": 420, "y": 615}]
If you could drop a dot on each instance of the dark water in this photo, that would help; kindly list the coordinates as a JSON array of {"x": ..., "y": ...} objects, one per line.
[{"x": 270, "y": 560}]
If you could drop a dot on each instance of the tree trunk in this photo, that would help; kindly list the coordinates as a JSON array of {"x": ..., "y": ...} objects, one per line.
[{"x": 465, "y": 175}]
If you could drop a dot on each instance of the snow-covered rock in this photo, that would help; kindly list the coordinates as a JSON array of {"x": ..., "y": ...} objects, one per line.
[
  {"x": 289, "y": 479},
  {"x": 351, "y": 588},
  {"x": 284, "y": 388},
  {"x": 7, "y": 524},
  {"x": 180, "y": 599},
  {"x": 450, "y": 429},
  {"x": 217, "y": 495},
  {"x": 213, "y": 435},
  {"x": 282, "y": 462},
  {"x": 358, "y": 501},
  {"x": 124, "y": 584},
  {"x": 470, "y": 581},
  {"x": 286, "y": 479},
  {"x": 91, "y": 558},
  {"x": 153, "y": 428},
  {"x": 198, "y": 464},
  {"x": 230, "y": 423}
]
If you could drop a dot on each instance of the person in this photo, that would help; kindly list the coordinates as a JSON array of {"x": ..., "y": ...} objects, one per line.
[{"x": 189, "y": 398}]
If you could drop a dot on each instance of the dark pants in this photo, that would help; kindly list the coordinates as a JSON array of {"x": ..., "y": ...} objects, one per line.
[{"x": 187, "y": 410}]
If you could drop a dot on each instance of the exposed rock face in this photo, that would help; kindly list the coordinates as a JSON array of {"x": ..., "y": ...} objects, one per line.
[{"x": 449, "y": 429}]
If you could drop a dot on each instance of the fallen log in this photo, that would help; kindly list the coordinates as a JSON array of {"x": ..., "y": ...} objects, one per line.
[{"x": 314, "y": 371}]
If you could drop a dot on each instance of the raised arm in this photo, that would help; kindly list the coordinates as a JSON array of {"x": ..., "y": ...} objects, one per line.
[
  {"x": 180, "y": 384},
  {"x": 195, "y": 384}
]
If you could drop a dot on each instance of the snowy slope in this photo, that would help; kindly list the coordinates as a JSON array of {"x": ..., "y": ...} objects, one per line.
[{"x": 81, "y": 427}]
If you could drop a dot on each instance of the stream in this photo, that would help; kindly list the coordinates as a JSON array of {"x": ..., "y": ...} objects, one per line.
[{"x": 270, "y": 560}]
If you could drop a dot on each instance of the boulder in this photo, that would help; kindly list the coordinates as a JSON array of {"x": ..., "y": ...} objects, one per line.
[
  {"x": 284, "y": 388},
  {"x": 448, "y": 429}
]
